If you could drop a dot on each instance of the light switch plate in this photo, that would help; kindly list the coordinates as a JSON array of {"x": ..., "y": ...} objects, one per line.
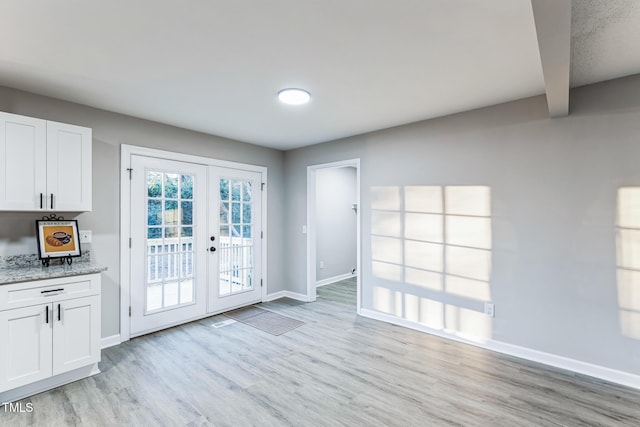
[{"x": 85, "y": 236}]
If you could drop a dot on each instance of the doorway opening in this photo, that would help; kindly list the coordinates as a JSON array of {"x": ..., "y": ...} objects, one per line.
[{"x": 333, "y": 222}]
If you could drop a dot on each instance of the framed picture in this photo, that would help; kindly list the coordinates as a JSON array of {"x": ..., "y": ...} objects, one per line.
[{"x": 58, "y": 239}]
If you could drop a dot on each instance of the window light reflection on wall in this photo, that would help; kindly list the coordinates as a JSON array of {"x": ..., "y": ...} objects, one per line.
[
  {"x": 628, "y": 260},
  {"x": 433, "y": 241}
]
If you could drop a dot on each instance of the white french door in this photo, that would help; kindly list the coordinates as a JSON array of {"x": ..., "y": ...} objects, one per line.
[
  {"x": 168, "y": 244},
  {"x": 235, "y": 222},
  {"x": 196, "y": 241}
]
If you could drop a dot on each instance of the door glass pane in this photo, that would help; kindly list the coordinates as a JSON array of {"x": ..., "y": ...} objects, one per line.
[
  {"x": 154, "y": 212},
  {"x": 235, "y": 213},
  {"x": 224, "y": 189},
  {"x": 246, "y": 213},
  {"x": 154, "y": 183},
  {"x": 246, "y": 191},
  {"x": 186, "y": 291},
  {"x": 170, "y": 232},
  {"x": 170, "y": 260},
  {"x": 171, "y": 212},
  {"x": 236, "y": 239},
  {"x": 224, "y": 213},
  {"x": 171, "y": 185},
  {"x": 186, "y": 187},
  {"x": 187, "y": 212},
  {"x": 235, "y": 189}
]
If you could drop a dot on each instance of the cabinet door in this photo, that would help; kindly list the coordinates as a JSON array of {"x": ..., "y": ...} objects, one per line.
[
  {"x": 25, "y": 349},
  {"x": 68, "y": 167},
  {"x": 76, "y": 333},
  {"x": 23, "y": 154}
]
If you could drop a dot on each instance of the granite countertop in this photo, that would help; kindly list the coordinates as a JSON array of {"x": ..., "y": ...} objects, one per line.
[{"x": 24, "y": 268}]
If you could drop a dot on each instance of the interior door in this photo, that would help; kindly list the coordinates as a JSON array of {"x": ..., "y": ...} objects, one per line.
[
  {"x": 168, "y": 245},
  {"x": 235, "y": 238}
]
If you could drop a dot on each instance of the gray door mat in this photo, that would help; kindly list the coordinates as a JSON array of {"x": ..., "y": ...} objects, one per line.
[{"x": 265, "y": 320}]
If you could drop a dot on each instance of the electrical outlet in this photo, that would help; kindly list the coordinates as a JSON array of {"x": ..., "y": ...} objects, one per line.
[
  {"x": 321, "y": 264},
  {"x": 85, "y": 236},
  {"x": 489, "y": 309}
]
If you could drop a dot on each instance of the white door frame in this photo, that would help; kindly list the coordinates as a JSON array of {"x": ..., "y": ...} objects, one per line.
[
  {"x": 311, "y": 227},
  {"x": 126, "y": 151}
]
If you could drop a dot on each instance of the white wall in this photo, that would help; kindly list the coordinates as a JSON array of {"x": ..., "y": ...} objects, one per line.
[
  {"x": 110, "y": 130},
  {"x": 546, "y": 234},
  {"x": 335, "y": 222}
]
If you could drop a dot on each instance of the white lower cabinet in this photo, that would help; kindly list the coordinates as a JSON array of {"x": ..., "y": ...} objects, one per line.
[
  {"x": 76, "y": 334},
  {"x": 25, "y": 355},
  {"x": 58, "y": 335}
]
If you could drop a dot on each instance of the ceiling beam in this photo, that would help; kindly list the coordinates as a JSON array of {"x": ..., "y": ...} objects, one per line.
[{"x": 553, "y": 28}]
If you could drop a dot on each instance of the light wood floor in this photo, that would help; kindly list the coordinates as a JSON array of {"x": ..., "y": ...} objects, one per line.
[{"x": 337, "y": 369}]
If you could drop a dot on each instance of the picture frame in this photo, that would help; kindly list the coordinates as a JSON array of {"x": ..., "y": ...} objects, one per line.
[{"x": 58, "y": 238}]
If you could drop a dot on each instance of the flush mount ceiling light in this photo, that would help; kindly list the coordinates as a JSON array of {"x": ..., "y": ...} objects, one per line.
[{"x": 294, "y": 96}]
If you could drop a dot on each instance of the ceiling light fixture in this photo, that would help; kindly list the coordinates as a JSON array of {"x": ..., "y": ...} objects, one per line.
[{"x": 294, "y": 96}]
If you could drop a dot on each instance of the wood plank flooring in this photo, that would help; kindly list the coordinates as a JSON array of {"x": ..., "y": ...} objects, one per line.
[{"x": 336, "y": 370}]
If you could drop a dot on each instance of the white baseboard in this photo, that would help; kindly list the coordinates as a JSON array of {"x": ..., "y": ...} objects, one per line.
[
  {"x": 286, "y": 294},
  {"x": 49, "y": 383},
  {"x": 612, "y": 375},
  {"x": 111, "y": 341},
  {"x": 597, "y": 371},
  {"x": 334, "y": 279}
]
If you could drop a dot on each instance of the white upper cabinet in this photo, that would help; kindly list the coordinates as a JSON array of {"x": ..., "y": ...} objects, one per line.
[
  {"x": 23, "y": 162},
  {"x": 44, "y": 166},
  {"x": 68, "y": 167}
]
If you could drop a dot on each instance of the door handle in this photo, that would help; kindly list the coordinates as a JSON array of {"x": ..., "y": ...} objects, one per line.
[
  {"x": 46, "y": 314},
  {"x": 58, "y": 312},
  {"x": 212, "y": 249},
  {"x": 40, "y": 200},
  {"x": 51, "y": 200},
  {"x": 213, "y": 238}
]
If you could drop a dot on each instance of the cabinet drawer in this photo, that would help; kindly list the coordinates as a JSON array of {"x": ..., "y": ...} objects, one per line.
[{"x": 25, "y": 294}]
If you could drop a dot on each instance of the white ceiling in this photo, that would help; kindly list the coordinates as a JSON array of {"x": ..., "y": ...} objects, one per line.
[{"x": 215, "y": 66}]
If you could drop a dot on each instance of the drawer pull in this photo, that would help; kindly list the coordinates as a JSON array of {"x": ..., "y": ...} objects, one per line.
[{"x": 52, "y": 290}]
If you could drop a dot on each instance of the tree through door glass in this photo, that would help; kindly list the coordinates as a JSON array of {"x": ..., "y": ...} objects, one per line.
[
  {"x": 236, "y": 236},
  {"x": 169, "y": 260}
]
